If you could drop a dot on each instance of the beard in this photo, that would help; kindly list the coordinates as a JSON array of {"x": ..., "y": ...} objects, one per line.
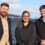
[
  {"x": 4, "y": 14},
  {"x": 43, "y": 16}
]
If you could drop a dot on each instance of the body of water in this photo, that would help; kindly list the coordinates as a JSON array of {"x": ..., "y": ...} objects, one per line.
[{"x": 14, "y": 22}]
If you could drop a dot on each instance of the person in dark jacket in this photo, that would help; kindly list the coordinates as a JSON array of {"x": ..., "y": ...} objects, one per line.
[
  {"x": 5, "y": 25},
  {"x": 25, "y": 31},
  {"x": 40, "y": 24}
]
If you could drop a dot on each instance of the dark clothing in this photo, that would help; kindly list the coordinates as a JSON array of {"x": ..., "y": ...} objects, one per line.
[
  {"x": 26, "y": 35},
  {"x": 40, "y": 25},
  {"x": 40, "y": 29},
  {"x": 1, "y": 30}
]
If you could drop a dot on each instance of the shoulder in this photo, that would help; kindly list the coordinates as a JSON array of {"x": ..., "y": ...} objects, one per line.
[
  {"x": 8, "y": 18},
  {"x": 33, "y": 27},
  {"x": 19, "y": 23},
  {"x": 32, "y": 24},
  {"x": 39, "y": 20}
]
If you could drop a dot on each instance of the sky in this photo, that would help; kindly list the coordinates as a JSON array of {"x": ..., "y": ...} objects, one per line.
[{"x": 18, "y": 6}]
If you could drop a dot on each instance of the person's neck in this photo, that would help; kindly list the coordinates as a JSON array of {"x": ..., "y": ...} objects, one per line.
[
  {"x": 3, "y": 16},
  {"x": 26, "y": 23},
  {"x": 43, "y": 18}
]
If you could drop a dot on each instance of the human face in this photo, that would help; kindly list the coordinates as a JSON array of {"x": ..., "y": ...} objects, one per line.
[
  {"x": 26, "y": 17},
  {"x": 43, "y": 12},
  {"x": 4, "y": 11}
]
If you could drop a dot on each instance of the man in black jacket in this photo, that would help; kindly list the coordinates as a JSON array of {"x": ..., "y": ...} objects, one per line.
[
  {"x": 5, "y": 26},
  {"x": 40, "y": 24}
]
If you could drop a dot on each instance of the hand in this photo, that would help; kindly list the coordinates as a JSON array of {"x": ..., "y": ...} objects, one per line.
[{"x": 42, "y": 42}]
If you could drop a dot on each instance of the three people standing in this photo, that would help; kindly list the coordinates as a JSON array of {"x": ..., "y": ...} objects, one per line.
[{"x": 26, "y": 31}]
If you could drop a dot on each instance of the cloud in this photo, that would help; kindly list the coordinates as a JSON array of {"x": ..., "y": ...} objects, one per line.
[
  {"x": 17, "y": 8},
  {"x": 3, "y": 0},
  {"x": 23, "y": 8},
  {"x": 15, "y": 5},
  {"x": 9, "y": 1}
]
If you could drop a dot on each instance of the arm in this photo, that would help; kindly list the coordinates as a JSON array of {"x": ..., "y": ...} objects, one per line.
[
  {"x": 17, "y": 34},
  {"x": 33, "y": 35}
]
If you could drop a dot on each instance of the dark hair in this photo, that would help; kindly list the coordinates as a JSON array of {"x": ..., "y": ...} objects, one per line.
[
  {"x": 25, "y": 12},
  {"x": 42, "y": 7},
  {"x": 5, "y": 4}
]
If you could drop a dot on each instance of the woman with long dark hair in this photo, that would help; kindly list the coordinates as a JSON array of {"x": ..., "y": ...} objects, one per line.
[{"x": 25, "y": 31}]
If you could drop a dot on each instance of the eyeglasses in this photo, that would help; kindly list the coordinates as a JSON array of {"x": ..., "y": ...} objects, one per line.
[{"x": 25, "y": 16}]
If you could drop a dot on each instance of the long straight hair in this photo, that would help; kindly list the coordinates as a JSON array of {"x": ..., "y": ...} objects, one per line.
[{"x": 23, "y": 15}]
